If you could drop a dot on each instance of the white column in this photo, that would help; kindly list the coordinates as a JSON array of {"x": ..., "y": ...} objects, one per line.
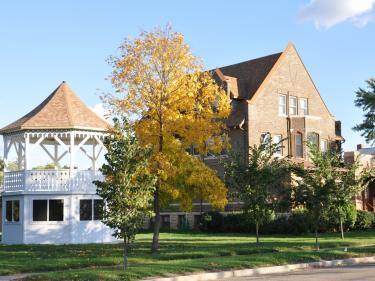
[
  {"x": 19, "y": 154},
  {"x": 72, "y": 151},
  {"x": 56, "y": 156},
  {"x": 27, "y": 151},
  {"x": 6, "y": 151},
  {"x": 94, "y": 155}
]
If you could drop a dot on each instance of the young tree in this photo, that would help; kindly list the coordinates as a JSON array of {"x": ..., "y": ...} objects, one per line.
[
  {"x": 366, "y": 100},
  {"x": 260, "y": 183},
  {"x": 158, "y": 82},
  {"x": 128, "y": 187},
  {"x": 327, "y": 187},
  {"x": 349, "y": 181}
]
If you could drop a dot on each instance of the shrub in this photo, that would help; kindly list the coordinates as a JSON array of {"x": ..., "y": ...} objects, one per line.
[
  {"x": 239, "y": 223},
  {"x": 365, "y": 220},
  {"x": 331, "y": 221},
  {"x": 211, "y": 222},
  {"x": 300, "y": 222}
]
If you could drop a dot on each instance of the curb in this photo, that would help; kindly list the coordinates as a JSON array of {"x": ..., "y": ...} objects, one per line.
[{"x": 265, "y": 270}]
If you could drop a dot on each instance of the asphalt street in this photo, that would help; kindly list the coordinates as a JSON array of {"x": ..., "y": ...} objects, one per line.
[{"x": 347, "y": 273}]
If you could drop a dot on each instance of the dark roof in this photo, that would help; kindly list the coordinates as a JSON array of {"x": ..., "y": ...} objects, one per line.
[
  {"x": 250, "y": 74},
  {"x": 62, "y": 109}
]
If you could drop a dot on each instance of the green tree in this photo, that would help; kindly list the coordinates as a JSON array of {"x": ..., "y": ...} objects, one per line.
[
  {"x": 365, "y": 99},
  {"x": 128, "y": 187},
  {"x": 176, "y": 104},
  {"x": 260, "y": 183},
  {"x": 329, "y": 187}
]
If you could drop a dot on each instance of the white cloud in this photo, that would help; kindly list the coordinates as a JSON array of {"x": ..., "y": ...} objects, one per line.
[{"x": 327, "y": 13}]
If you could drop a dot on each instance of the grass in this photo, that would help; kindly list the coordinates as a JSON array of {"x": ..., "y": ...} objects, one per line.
[{"x": 179, "y": 253}]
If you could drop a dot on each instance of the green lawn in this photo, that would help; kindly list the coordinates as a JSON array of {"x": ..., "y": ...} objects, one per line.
[{"x": 179, "y": 253}]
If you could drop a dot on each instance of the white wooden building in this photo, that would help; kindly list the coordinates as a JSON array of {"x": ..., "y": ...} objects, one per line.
[{"x": 58, "y": 205}]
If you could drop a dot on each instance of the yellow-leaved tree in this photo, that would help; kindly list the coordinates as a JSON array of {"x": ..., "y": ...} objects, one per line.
[{"x": 174, "y": 105}]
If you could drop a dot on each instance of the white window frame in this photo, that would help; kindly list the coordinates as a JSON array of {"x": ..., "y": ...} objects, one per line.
[
  {"x": 294, "y": 108},
  {"x": 276, "y": 139},
  {"x": 304, "y": 110},
  {"x": 282, "y": 106}
]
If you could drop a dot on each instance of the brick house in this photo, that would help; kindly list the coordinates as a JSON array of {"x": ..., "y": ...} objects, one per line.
[
  {"x": 366, "y": 157},
  {"x": 272, "y": 97}
]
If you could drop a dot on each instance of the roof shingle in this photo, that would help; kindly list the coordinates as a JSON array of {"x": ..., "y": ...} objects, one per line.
[
  {"x": 63, "y": 109},
  {"x": 249, "y": 74}
]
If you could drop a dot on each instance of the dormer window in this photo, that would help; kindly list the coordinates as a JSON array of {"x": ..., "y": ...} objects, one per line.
[
  {"x": 292, "y": 105},
  {"x": 282, "y": 105},
  {"x": 303, "y": 106}
]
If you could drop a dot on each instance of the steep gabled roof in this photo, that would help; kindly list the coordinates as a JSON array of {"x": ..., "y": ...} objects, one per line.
[
  {"x": 63, "y": 109},
  {"x": 249, "y": 74}
]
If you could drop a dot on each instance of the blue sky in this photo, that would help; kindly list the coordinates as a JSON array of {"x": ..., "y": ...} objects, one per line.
[{"x": 46, "y": 42}]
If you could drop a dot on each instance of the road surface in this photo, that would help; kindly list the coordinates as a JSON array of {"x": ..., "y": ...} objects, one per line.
[{"x": 348, "y": 273}]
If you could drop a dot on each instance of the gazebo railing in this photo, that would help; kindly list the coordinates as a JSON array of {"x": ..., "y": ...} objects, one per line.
[{"x": 51, "y": 180}]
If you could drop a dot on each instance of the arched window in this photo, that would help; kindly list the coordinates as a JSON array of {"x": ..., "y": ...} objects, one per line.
[{"x": 298, "y": 145}]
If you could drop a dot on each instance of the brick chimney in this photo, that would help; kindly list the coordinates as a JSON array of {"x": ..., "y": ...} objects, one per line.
[{"x": 359, "y": 146}]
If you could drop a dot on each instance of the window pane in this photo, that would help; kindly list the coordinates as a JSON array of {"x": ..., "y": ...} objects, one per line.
[
  {"x": 85, "y": 210},
  {"x": 323, "y": 145},
  {"x": 292, "y": 105},
  {"x": 313, "y": 138},
  {"x": 298, "y": 146},
  {"x": 56, "y": 210},
  {"x": 282, "y": 104},
  {"x": 16, "y": 210},
  {"x": 265, "y": 138},
  {"x": 39, "y": 210},
  {"x": 8, "y": 210},
  {"x": 98, "y": 209},
  {"x": 303, "y": 106},
  {"x": 276, "y": 140}
]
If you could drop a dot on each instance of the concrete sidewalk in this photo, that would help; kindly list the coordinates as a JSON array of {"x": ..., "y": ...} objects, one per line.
[
  {"x": 15, "y": 276},
  {"x": 265, "y": 270}
]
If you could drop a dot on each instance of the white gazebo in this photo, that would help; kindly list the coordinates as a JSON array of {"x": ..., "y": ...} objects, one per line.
[{"x": 54, "y": 204}]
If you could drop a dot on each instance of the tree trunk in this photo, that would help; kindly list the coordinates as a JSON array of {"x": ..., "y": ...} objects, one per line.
[
  {"x": 125, "y": 254},
  {"x": 157, "y": 224},
  {"x": 316, "y": 239},
  {"x": 257, "y": 232},
  {"x": 342, "y": 228}
]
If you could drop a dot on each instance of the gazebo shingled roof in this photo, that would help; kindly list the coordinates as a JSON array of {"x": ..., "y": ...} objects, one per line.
[{"x": 63, "y": 109}]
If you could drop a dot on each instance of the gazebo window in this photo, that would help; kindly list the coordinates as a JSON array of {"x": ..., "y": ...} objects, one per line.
[
  {"x": 52, "y": 209},
  {"x": 98, "y": 209},
  {"x": 90, "y": 209},
  {"x": 12, "y": 210},
  {"x": 56, "y": 210}
]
